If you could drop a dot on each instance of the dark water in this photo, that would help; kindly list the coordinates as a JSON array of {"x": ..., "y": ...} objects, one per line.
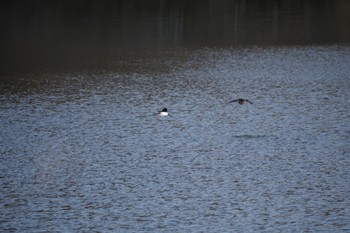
[
  {"x": 82, "y": 150},
  {"x": 64, "y": 34}
]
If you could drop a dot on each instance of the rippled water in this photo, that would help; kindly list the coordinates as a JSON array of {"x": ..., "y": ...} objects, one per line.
[{"x": 84, "y": 152}]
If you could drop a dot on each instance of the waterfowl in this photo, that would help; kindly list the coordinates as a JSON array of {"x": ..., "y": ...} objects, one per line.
[
  {"x": 240, "y": 101},
  {"x": 164, "y": 112}
]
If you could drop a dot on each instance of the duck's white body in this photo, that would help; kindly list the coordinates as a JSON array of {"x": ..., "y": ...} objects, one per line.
[{"x": 164, "y": 112}]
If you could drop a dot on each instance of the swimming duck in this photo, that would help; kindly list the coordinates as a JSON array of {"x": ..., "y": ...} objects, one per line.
[{"x": 164, "y": 112}]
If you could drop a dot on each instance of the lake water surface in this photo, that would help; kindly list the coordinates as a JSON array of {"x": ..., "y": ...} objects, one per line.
[
  {"x": 85, "y": 152},
  {"x": 82, "y": 150}
]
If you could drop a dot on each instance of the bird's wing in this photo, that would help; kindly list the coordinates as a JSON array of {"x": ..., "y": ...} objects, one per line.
[{"x": 233, "y": 101}]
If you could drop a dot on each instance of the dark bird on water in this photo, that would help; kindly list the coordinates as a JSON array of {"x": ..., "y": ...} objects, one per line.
[{"x": 241, "y": 101}]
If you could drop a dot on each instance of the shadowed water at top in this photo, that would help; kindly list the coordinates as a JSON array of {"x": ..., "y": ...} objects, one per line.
[{"x": 41, "y": 35}]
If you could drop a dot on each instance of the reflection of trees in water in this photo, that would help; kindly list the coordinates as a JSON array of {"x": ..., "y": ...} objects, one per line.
[
  {"x": 61, "y": 30},
  {"x": 203, "y": 21}
]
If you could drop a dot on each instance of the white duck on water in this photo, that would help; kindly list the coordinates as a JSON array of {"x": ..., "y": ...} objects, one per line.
[{"x": 164, "y": 112}]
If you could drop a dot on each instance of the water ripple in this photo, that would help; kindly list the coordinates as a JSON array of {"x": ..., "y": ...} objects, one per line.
[{"x": 86, "y": 152}]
